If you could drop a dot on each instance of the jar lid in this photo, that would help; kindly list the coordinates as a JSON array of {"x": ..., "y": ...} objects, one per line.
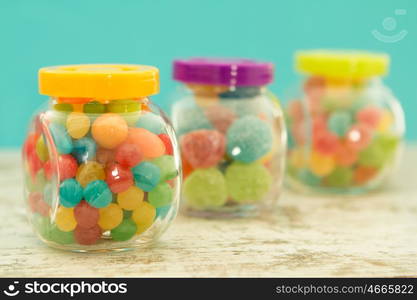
[
  {"x": 101, "y": 81},
  {"x": 342, "y": 63},
  {"x": 219, "y": 71}
]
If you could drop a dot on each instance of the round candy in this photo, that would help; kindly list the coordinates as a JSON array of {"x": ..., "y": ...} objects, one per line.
[
  {"x": 151, "y": 122},
  {"x": 340, "y": 177},
  {"x": 220, "y": 116},
  {"x": 345, "y": 156},
  {"x": 123, "y": 106},
  {"x": 86, "y": 215},
  {"x": 248, "y": 139},
  {"x": 105, "y": 156},
  {"x": 125, "y": 231},
  {"x": 62, "y": 140},
  {"x": 131, "y": 198},
  {"x": 364, "y": 174},
  {"x": 205, "y": 188},
  {"x": 61, "y": 237},
  {"x": 203, "y": 148},
  {"x": 64, "y": 219},
  {"x": 87, "y": 235},
  {"x": 191, "y": 118},
  {"x": 369, "y": 116},
  {"x": 149, "y": 143},
  {"x": 143, "y": 216},
  {"x": 147, "y": 175},
  {"x": 161, "y": 195},
  {"x": 321, "y": 165},
  {"x": 167, "y": 167},
  {"x": 41, "y": 149},
  {"x": 70, "y": 193},
  {"x": 339, "y": 122},
  {"x": 375, "y": 155},
  {"x": 118, "y": 178},
  {"x": 94, "y": 107},
  {"x": 109, "y": 130},
  {"x": 128, "y": 155},
  {"x": 358, "y": 137},
  {"x": 247, "y": 182},
  {"x": 67, "y": 166},
  {"x": 78, "y": 125},
  {"x": 325, "y": 142},
  {"x": 307, "y": 177},
  {"x": 84, "y": 149},
  {"x": 167, "y": 142},
  {"x": 88, "y": 172},
  {"x": 98, "y": 194},
  {"x": 386, "y": 121},
  {"x": 110, "y": 217}
]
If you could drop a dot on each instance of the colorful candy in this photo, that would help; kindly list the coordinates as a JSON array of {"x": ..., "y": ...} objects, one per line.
[
  {"x": 65, "y": 219},
  {"x": 167, "y": 167},
  {"x": 109, "y": 130},
  {"x": 98, "y": 194},
  {"x": 125, "y": 231},
  {"x": 70, "y": 193},
  {"x": 147, "y": 175},
  {"x": 86, "y": 215},
  {"x": 151, "y": 122},
  {"x": 128, "y": 155},
  {"x": 149, "y": 143},
  {"x": 118, "y": 178},
  {"x": 78, "y": 125},
  {"x": 110, "y": 216},
  {"x": 87, "y": 235},
  {"x": 144, "y": 216},
  {"x": 130, "y": 199},
  {"x": 84, "y": 149},
  {"x": 62, "y": 140},
  {"x": 88, "y": 172},
  {"x": 161, "y": 195}
]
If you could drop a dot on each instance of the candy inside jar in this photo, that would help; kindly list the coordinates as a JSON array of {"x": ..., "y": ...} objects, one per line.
[
  {"x": 231, "y": 136},
  {"x": 102, "y": 172},
  {"x": 345, "y": 127}
]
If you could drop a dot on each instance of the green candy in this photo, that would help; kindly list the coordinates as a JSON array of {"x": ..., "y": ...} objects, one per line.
[
  {"x": 63, "y": 107},
  {"x": 247, "y": 182},
  {"x": 161, "y": 195},
  {"x": 125, "y": 231},
  {"x": 340, "y": 177},
  {"x": 307, "y": 177},
  {"x": 94, "y": 107},
  {"x": 379, "y": 151},
  {"x": 60, "y": 237},
  {"x": 166, "y": 164},
  {"x": 205, "y": 188},
  {"x": 339, "y": 122},
  {"x": 123, "y": 106}
]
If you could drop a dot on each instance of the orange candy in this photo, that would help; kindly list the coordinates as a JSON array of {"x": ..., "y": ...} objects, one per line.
[
  {"x": 109, "y": 130},
  {"x": 149, "y": 143},
  {"x": 345, "y": 156},
  {"x": 364, "y": 174},
  {"x": 186, "y": 167}
]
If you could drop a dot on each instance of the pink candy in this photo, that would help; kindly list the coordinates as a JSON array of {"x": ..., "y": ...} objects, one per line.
[
  {"x": 369, "y": 116},
  {"x": 128, "y": 155}
]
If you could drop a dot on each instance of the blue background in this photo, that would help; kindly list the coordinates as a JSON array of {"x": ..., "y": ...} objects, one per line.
[{"x": 41, "y": 33}]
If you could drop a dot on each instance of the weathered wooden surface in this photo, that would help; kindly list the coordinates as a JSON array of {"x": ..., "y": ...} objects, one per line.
[{"x": 374, "y": 235}]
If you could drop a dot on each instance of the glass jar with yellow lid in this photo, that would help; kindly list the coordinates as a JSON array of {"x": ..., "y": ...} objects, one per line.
[
  {"x": 345, "y": 126},
  {"x": 101, "y": 163}
]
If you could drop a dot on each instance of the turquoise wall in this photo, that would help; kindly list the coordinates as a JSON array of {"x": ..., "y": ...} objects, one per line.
[{"x": 41, "y": 33}]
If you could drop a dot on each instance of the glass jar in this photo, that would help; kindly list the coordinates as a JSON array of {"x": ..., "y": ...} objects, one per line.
[
  {"x": 101, "y": 164},
  {"x": 345, "y": 126},
  {"x": 232, "y": 136}
]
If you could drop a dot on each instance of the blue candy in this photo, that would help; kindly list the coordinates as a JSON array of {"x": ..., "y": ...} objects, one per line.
[
  {"x": 309, "y": 178},
  {"x": 190, "y": 118},
  {"x": 61, "y": 138},
  {"x": 84, "y": 149},
  {"x": 147, "y": 175},
  {"x": 162, "y": 211},
  {"x": 98, "y": 194},
  {"x": 248, "y": 139},
  {"x": 70, "y": 192},
  {"x": 339, "y": 122},
  {"x": 151, "y": 122}
]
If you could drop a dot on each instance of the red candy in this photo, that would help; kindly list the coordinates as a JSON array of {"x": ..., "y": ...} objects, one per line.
[
  {"x": 43, "y": 208},
  {"x": 325, "y": 142},
  {"x": 128, "y": 155},
  {"x": 86, "y": 215},
  {"x": 34, "y": 163},
  {"x": 87, "y": 236},
  {"x": 118, "y": 178},
  {"x": 67, "y": 166},
  {"x": 167, "y": 142},
  {"x": 203, "y": 148},
  {"x": 369, "y": 116},
  {"x": 345, "y": 156},
  {"x": 105, "y": 156}
]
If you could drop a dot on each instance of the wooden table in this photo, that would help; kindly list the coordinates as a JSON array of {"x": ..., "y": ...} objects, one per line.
[{"x": 374, "y": 235}]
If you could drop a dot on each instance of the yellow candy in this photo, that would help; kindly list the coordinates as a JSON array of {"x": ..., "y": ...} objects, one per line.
[
  {"x": 385, "y": 122},
  {"x": 321, "y": 165},
  {"x": 41, "y": 149},
  {"x": 143, "y": 216},
  {"x": 64, "y": 219},
  {"x": 78, "y": 125},
  {"x": 298, "y": 158},
  {"x": 131, "y": 198},
  {"x": 110, "y": 216},
  {"x": 88, "y": 172}
]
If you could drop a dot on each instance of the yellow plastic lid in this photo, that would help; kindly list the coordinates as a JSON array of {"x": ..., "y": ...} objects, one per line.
[
  {"x": 101, "y": 81},
  {"x": 339, "y": 63}
]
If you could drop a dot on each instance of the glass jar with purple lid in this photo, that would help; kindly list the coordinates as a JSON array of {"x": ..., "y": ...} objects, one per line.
[{"x": 232, "y": 136}]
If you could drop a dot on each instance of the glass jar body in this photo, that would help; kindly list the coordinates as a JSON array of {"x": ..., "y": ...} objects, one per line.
[
  {"x": 232, "y": 143},
  {"x": 100, "y": 175},
  {"x": 345, "y": 135}
]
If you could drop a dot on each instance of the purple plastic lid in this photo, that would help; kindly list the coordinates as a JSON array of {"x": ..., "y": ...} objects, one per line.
[{"x": 223, "y": 71}]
